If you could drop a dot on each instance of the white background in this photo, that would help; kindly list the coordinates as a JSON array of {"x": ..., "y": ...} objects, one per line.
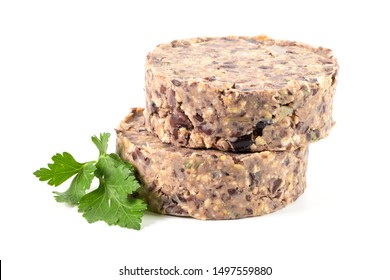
[{"x": 72, "y": 69}]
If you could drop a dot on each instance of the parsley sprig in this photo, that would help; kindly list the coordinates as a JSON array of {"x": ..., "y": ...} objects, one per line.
[{"x": 111, "y": 201}]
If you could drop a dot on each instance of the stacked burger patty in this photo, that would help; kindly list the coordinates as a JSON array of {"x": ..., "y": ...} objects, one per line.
[{"x": 227, "y": 124}]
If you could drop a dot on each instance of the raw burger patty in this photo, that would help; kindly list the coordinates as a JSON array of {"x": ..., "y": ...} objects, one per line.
[
  {"x": 209, "y": 184},
  {"x": 240, "y": 93}
]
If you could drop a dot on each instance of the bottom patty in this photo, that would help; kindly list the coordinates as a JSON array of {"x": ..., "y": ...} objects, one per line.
[{"x": 209, "y": 184}]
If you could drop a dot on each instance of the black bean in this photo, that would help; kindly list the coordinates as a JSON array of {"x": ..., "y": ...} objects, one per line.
[
  {"x": 304, "y": 88},
  {"x": 153, "y": 108},
  {"x": 180, "y": 211},
  {"x": 248, "y": 197},
  {"x": 243, "y": 143},
  {"x": 152, "y": 186},
  {"x": 137, "y": 154},
  {"x": 250, "y": 211},
  {"x": 206, "y": 131},
  {"x": 334, "y": 78},
  {"x": 265, "y": 67},
  {"x": 210, "y": 79},
  {"x": 179, "y": 119},
  {"x": 291, "y": 52},
  {"x": 252, "y": 179},
  {"x": 194, "y": 84},
  {"x": 181, "y": 197},
  {"x": 198, "y": 117},
  {"x": 258, "y": 131},
  {"x": 176, "y": 83},
  {"x": 163, "y": 89},
  {"x": 174, "y": 209},
  {"x": 228, "y": 66},
  {"x": 276, "y": 185},
  {"x": 232, "y": 191}
]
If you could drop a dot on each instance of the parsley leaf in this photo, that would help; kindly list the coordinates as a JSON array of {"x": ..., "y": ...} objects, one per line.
[
  {"x": 101, "y": 143},
  {"x": 112, "y": 202},
  {"x": 63, "y": 167},
  {"x": 80, "y": 184}
]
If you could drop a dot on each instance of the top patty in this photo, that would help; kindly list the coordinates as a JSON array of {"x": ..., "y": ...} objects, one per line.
[
  {"x": 240, "y": 93},
  {"x": 248, "y": 63}
]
